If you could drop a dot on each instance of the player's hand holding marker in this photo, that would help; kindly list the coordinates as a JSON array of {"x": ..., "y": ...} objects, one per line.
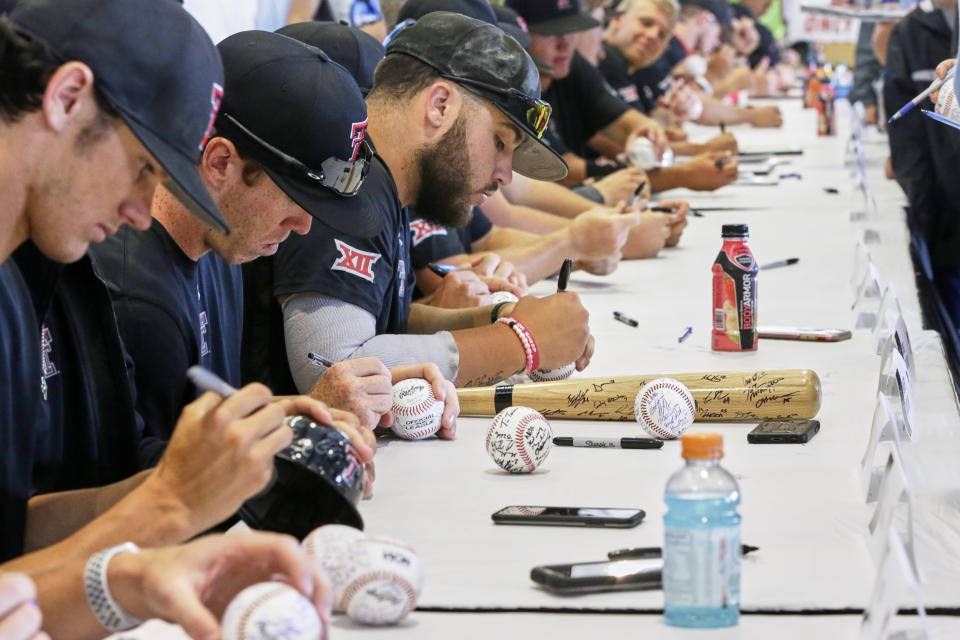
[
  {"x": 361, "y": 386},
  {"x": 559, "y": 325},
  {"x": 222, "y": 451}
]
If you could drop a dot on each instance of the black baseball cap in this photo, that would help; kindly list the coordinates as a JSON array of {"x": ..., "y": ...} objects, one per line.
[
  {"x": 511, "y": 22},
  {"x": 158, "y": 68},
  {"x": 350, "y": 47},
  {"x": 486, "y": 61},
  {"x": 302, "y": 117},
  {"x": 553, "y": 17},
  {"x": 477, "y": 9},
  {"x": 7, "y": 5},
  {"x": 720, "y": 9}
]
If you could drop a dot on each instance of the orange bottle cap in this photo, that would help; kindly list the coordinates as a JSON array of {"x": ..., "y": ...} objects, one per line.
[{"x": 702, "y": 445}]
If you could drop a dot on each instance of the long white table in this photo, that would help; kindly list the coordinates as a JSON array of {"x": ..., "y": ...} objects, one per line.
[{"x": 802, "y": 504}]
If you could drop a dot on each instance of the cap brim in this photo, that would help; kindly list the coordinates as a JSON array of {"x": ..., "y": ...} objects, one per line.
[
  {"x": 564, "y": 24},
  {"x": 185, "y": 183},
  {"x": 355, "y": 215},
  {"x": 534, "y": 159}
]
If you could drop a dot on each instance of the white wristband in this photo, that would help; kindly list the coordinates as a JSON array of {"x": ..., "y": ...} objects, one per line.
[{"x": 110, "y": 614}]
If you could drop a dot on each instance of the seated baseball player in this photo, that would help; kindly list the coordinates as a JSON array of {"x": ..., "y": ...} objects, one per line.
[
  {"x": 642, "y": 78},
  {"x": 525, "y": 203},
  {"x": 86, "y": 134},
  {"x": 449, "y": 128},
  {"x": 922, "y": 150},
  {"x": 553, "y": 29},
  {"x": 177, "y": 287}
]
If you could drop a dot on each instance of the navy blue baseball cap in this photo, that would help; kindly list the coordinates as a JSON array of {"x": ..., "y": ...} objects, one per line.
[
  {"x": 7, "y": 5},
  {"x": 155, "y": 64},
  {"x": 355, "y": 50},
  {"x": 317, "y": 480},
  {"x": 720, "y": 9},
  {"x": 302, "y": 117},
  {"x": 482, "y": 58},
  {"x": 511, "y": 22},
  {"x": 553, "y": 17}
]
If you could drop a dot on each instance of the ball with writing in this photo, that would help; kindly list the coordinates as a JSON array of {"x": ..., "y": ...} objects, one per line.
[
  {"x": 665, "y": 408},
  {"x": 519, "y": 439},
  {"x": 329, "y": 544},
  {"x": 271, "y": 610},
  {"x": 382, "y": 581},
  {"x": 417, "y": 412},
  {"x": 549, "y": 375}
]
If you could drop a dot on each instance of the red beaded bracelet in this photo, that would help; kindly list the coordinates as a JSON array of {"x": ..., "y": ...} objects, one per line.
[{"x": 526, "y": 339}]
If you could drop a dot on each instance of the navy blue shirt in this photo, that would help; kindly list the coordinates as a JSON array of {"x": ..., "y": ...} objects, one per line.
[
  {"x": 641, "y": 88},
  {"x": 373, "y": 274},
  {"x": 173, "y": 313},
  {"x": 432, "y": 242},
  {"x": 582, "y": 106},
  {"x": 768, "y": 44},
  {"x": 20, "y": 379}
]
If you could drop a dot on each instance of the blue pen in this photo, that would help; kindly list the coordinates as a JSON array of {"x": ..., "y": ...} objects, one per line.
[
  {"x": 905, "y": 109},
  {"x": 686, "y": 334},
  {"x": 941, "y": 119}
]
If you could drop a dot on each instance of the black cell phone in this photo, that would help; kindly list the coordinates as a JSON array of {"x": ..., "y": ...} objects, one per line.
[
  {"x": 592, "y": 577},
  {"x": 569, "y": 516},
  {"x": 784, "y": 431}
]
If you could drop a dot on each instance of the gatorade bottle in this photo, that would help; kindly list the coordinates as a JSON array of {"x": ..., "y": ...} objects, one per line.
[
  {"x": 701, "y": 547},
  {"x": 735, "y": 293}
]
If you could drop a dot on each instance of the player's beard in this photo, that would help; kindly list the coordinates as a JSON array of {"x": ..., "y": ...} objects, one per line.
[{"x": 444, "y": 196}]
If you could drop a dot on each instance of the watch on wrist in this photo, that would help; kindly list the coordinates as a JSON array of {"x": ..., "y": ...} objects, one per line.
[{"x": 107, "y": 610}]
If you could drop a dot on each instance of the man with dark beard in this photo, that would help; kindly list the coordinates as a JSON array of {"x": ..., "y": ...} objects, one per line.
[{"x": 454, "y": 109}]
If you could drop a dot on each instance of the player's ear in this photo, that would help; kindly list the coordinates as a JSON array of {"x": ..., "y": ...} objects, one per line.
[
  {"x": 69, "y": 94},
  {"x": 441, "y": 107},
  {"x": 220, "y": 159}
]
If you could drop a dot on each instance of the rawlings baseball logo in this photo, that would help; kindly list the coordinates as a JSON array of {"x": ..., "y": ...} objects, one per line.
[
  {"x": 216, "y": 97},
  {"x": 357, "y": 133},
  {"x": 352, "y": 260},
  {"x": 420, "y": 230}
]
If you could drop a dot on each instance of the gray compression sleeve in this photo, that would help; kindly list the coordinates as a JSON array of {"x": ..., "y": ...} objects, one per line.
[{"x": 338, "y": 331}]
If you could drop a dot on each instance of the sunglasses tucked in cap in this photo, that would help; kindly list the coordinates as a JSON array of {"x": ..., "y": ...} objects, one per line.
[
  {"x": 302, "y": 117},
  {"x": 486, "y": 61},
  {"x": 553, "y": 17},
  {"x": 158, "y": 68}
]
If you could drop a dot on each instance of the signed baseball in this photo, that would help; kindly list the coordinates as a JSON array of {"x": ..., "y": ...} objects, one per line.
[
  {"x": 549, "y": 375},
  {"x": 271, "y": 610},
  {"x": 519, "y": 439},
  {"x": 416, "y": 411},
  {"x": 664, "y": 408},
  {"x": 502, "y": 296},
  {"x": 329, "y": 545},
  {"x": 382, "y": 582}
]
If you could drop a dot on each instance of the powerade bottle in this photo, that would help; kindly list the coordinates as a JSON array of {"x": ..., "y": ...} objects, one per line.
[
  {"x": 701, "y": 547},
  {"x": 734, "y": 293}
]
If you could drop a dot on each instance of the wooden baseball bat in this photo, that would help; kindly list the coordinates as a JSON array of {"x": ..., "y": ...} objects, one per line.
[{"x": 723, "y": 396}]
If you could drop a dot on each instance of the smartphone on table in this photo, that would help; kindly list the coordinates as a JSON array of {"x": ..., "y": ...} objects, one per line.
[
  {"x": 593, "y": 577},
  {"x": 569, "y": 516},
  {"x": 784, "y": 431}
]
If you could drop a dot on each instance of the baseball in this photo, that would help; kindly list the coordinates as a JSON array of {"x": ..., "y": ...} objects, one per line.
[
  {"x": 416, "y": 411},
  {"x": 664, "y": 408},
  {"x": 382, "y": 582},
  {"x": 519, "y": 439},
  {"x": 502, "y": 296},
  {"x": 271, "y": 610},
  {"x": 549, "y": 375},
  {"x": 329, "y": 545}
]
